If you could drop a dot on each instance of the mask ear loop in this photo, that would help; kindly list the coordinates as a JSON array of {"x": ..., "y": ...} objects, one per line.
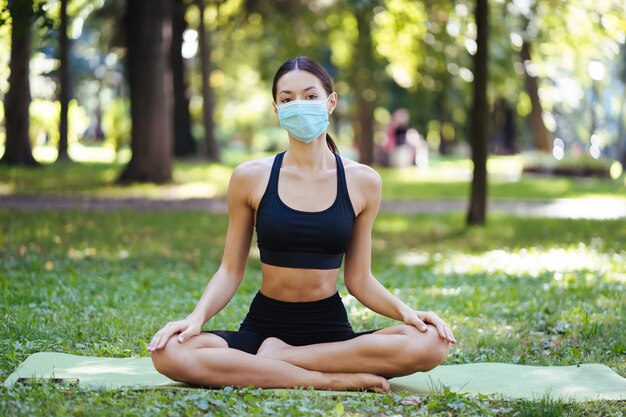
[{"x": 326, "y": 102}]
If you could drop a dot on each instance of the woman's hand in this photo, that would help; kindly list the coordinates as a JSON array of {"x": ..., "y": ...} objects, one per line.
[
  {"x": 187, "y": 328},
  {"x": 419, "y": 319}
]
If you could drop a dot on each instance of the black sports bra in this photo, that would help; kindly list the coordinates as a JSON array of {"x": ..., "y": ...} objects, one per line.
[{"x": 301, "y": 239}]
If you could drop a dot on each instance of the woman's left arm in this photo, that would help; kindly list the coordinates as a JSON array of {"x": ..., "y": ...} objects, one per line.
[{"x": 357, "y": 271}]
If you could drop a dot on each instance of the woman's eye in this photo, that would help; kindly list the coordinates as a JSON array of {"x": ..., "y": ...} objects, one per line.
[
  {"x": 285, "y": 100},
  {"x": 312, "y": 97}
]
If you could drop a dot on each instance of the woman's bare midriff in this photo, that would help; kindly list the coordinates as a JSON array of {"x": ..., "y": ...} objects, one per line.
[{"x": 296, "y": 284}]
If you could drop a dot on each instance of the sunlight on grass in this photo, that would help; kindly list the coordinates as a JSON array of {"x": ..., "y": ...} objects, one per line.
[
  {"x": 361, "y": 315},
  {"x": 47, "y": 154},
  {"x": 446, "y": 178},
  {"x": 532, "y": 261},
  {"x": 502, "y": 168},
  {"x": 393, "y": 224}
]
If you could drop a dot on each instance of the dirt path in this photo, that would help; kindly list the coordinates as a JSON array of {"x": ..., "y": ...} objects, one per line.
[{"x": 587, "y": 208}]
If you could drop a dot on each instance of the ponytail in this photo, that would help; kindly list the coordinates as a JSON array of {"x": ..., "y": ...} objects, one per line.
[{"x": 331, "y": 144}]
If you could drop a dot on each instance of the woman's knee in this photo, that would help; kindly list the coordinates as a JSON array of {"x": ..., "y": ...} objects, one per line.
[
  {"x": 168, "y": 360},
  {"x": 178, "y": 361},
  {"x": 426, "y": 350}
]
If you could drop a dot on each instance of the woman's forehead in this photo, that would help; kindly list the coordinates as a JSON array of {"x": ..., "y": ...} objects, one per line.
[{"x": 298, "y": 80}]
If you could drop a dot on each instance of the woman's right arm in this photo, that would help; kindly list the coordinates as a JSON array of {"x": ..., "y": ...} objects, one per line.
[{"x": 229, "y": 275}]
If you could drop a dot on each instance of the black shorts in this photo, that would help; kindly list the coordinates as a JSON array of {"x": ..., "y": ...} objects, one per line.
[{"x": 295, "y": 323}]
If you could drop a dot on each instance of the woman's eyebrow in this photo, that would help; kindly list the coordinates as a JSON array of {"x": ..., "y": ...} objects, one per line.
[{"x": 306, "y": 89}]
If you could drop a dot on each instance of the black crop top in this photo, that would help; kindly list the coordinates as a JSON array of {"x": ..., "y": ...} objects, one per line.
[{"x": 302, "y": 239}]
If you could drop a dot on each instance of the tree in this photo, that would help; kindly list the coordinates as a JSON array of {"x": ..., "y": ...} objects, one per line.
[
  {"x": 17, "y": 100},
  {"x": 184, "y": 144},
  {"x": 64, "y": 81},
  {"x": 479, "y": 118},
  {"x": 148, "y": 31},
  {"x": 621, "y": 129},
  {"x": 204, "y": 43},
  {"x": 540, "y": 133},
  {"x": 363, "y": 77}
]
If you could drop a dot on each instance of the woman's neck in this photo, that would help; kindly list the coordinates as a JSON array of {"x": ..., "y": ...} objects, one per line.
[{"x": 313, "y": 156}]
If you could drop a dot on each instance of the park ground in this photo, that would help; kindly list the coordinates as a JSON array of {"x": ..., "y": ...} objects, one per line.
[{"x": 99, "y": 280}]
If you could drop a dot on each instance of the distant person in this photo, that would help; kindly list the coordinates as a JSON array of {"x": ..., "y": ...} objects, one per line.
[
  {"x": 94, "y": 132},
  {"x": 404, "y": 146},
  {"x": 309, "y": 206}
]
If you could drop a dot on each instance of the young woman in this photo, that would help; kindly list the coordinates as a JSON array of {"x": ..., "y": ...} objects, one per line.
[{"x": 309, "y": 206}]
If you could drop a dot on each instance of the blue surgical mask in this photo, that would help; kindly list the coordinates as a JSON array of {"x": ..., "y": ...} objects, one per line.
[{"x": 305, "y": 120}]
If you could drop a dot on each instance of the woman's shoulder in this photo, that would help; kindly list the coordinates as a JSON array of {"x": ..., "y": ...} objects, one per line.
[
  {"x": 253, "y": 169},
  {"x": 360, "y": 174}
]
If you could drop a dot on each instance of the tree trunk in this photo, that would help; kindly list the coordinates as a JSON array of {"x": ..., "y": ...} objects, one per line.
[
  {"x": 504, "y": 130},
  {"x": 184, "y": 144},
  {"x": 621, "y": 130},
  {"x": 510, "y": 129},
  {"x": 479, "y": 119},
  {"x": 365, "y": 131},
  {"x": 540, "y": 133},
  {"x": 64, "y": 82},
  {"x": 148, "y": 31},
  {"x": 362, "y": 78},
  {"x": 204, "y": 43},
  {"x": 18, "y": 149}
]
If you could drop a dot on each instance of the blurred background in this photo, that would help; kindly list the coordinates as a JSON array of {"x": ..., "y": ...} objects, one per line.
[{"x": 113, "y": 80}]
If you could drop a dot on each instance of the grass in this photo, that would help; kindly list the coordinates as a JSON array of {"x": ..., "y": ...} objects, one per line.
[
  {"x": 528, "y": 291},
  {"x": 446, "y": 178}
]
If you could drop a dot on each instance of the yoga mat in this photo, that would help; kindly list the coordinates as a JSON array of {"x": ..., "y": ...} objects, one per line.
[{"x": 579, "y": 382}]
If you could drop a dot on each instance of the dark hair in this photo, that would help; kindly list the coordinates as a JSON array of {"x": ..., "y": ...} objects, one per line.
[{"x": 307, "y": 64}]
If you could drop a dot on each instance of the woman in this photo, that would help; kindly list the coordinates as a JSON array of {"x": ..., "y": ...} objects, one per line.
[{"x": 297, "y": 333}]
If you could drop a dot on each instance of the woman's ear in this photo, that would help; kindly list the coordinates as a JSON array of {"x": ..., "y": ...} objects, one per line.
[
  {"x": 332, "y": 99},
  {"x": 275, "y": 106}
]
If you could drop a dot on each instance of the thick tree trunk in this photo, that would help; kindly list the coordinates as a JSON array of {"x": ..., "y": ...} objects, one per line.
[
  {"x": 365, "y": 131},
  {"x": 148, "y": 27},
  {"x": 64, "y": 82},
  {"x": 184, "y": 144},
  {"x": 540, "y": 133},
  {"x": 204, "y": 43},
  {"x": 479, "y": 119},
  {"x": 362, "y": 78},
  {"x": 18, "y": 149}
]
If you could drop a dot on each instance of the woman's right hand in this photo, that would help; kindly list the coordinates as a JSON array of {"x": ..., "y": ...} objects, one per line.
[{"x": 186, "y": 327}]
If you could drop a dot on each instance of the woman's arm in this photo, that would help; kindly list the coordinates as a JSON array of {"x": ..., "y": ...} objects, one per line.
[
  {"x": 357, "y": 272},
  {"x": 229, "y": 275}
]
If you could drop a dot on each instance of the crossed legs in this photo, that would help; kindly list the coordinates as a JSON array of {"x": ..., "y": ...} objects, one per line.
[
  {"x": 359, "y": 363},
  {"x": 390, "y": 352}
]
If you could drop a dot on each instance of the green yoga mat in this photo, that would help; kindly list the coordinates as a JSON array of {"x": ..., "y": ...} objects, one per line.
[{"x": 583, "y": 382}]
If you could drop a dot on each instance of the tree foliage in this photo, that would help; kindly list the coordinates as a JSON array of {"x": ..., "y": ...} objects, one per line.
[{"x": 382, "y": 54}]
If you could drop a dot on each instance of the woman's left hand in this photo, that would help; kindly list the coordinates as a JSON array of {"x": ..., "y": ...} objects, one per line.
[{"x": 420, "y": 319}]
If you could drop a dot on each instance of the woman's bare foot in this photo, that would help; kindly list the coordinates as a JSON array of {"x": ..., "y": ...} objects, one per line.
[
  {"x": 272, "y": 347},
  {"x": 358, "y": 381}
]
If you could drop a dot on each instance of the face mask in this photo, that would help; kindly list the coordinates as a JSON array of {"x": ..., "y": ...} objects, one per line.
[{"x": 305, "y": 120}]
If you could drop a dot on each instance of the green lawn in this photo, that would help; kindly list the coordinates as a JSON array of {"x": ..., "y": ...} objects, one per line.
[
  {"x": 528, "y": 291},
  {"x": 446, "y": 178}
]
